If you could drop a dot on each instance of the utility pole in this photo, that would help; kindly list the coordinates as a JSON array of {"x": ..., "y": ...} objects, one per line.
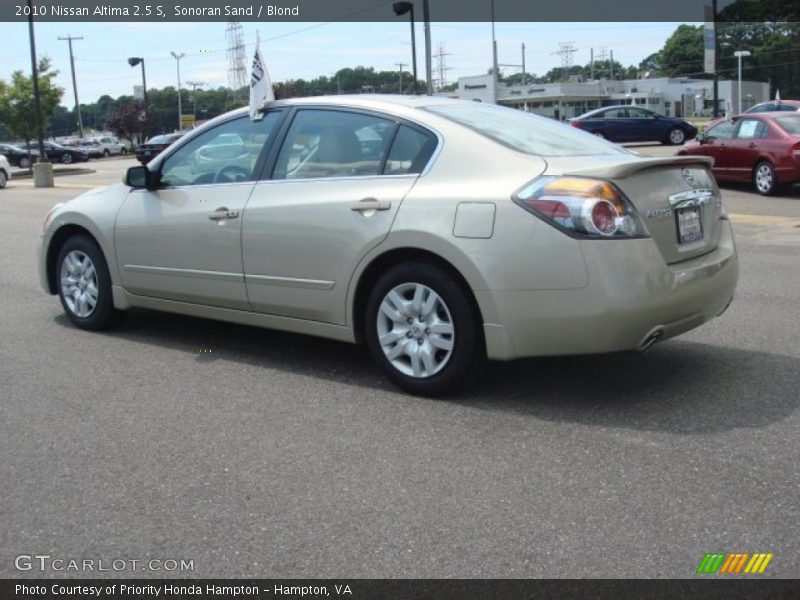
[
  {"x": 178, "y": 58},
  {"x": 401, "y": 65},
  {"x": 195, "y": 85},
  {"x": 591, "y": 64},
  {"x": 69, "y": 39}
]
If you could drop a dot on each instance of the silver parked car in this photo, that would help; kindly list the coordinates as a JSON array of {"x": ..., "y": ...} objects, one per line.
[{"x": 435, "y": 231}]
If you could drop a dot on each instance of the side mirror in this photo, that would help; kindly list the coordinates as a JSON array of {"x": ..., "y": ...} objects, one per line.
[{"x": 140, "y": 178}]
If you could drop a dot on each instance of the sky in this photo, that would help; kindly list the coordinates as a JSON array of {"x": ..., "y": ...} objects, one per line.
[{"x": 306, "y": 50}]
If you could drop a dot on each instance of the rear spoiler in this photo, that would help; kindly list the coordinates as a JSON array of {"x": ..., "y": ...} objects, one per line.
[{"x": 626, "y": 169}]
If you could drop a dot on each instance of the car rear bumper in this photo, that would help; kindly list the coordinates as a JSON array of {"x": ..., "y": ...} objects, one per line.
[{"x": 633, "y": 298}]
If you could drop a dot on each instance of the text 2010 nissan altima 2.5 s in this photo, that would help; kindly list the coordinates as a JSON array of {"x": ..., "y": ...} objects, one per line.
[{"x": 435, "y": 231}]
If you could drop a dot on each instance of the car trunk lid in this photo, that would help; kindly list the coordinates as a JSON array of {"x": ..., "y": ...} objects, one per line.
[{"x": 676, "y": 197}]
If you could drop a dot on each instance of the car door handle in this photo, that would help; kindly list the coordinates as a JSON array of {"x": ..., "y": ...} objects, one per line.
[
  {"x": 371, "y": 204},
  {"x": 223, "y": 213}
]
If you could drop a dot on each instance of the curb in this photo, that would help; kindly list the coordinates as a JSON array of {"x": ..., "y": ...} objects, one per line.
[{"x": 26, "y": 173}]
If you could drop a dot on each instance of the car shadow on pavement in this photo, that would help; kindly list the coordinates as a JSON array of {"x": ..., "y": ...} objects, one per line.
[{"x": 678, "y": 386}]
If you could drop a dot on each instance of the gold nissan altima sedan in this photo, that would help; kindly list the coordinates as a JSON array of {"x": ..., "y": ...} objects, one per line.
[{"x": 435, "y": 231}]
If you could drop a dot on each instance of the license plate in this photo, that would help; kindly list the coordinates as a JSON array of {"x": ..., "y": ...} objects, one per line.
[{"x": 690, "y": 225}]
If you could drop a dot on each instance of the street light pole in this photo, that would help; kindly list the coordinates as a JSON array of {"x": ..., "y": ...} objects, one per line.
[
  {"x": 37, "y": 104},
  {"x": 178, "y": 58},
  {"x": 133, "y": 61},
  {"x": 426, "y": 17},
  {"x": 740, "y": 54},
  {"x": 401, "y": 8}
]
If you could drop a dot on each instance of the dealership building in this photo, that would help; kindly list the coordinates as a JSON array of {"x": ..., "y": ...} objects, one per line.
[{"x": 671, "y": 96}]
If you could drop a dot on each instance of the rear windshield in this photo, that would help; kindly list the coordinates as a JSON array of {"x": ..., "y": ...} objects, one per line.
[
  {"x": 160, "y": 139},
  {"x": 525, "y": 132},
  {"x": 789, "y": 123}
]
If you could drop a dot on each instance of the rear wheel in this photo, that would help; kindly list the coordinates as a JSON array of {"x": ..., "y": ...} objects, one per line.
[
  {"x": 84, "y": 284},
  {"x": 24, "y": 163},
  {"x": 600, "y": 134},
  {"x": 106, "y": 153},
  {"x": 764, "y": 178},
  {"x": 124, "y": 150},
  {"x": 3, "y": 178},
  {"x": 676, "y": 137},
  {"x": 422, "y": 330},
  {"x": 66, "y": 158}
]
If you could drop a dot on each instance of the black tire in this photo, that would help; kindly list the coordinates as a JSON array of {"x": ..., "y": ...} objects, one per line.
[
  {"x": 467, "y": 341},
  {"x": 66, "y": 158},
  {"x": 106, "y": 153},
  {"x": 24, "y": 163},
  {"x": 764, "y": 179},
  {"x": 103, "y": 315},
  {"x": 124, "y": 151},
  {"x": 600, "y": 134},
  {"x": 676, "y": 137},
  {"x": 3, "y": 178}
]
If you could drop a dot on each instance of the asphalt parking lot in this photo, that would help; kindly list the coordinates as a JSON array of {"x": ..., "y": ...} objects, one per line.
[{"x": 256, "y": 453}]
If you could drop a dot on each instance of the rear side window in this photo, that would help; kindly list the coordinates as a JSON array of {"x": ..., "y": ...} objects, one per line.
[
  {"x": 410, "y": 152},
  {"x": 759, "y": 108},
  {"x": 332, "y": 143},
  {"x": 525, "y": 132},
  {"x": 750, "y": 129},
  {"x": 789, "y": 123}
]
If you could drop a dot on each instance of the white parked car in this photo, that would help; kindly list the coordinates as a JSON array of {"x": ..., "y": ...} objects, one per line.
[
  {"x": 110, "y": 145},
  {"x": 5, "y": 170}
]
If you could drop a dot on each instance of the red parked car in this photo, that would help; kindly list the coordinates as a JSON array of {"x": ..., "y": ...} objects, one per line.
[{"x": 762, "y": 148}]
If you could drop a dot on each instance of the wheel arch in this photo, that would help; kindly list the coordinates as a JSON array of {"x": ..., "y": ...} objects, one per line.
[
  {"x": 396, "y": 256},
  {"x": 61, "y": 235}
]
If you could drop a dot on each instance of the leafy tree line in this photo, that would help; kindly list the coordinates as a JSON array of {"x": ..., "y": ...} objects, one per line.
[{"x": 124, "y": 115}]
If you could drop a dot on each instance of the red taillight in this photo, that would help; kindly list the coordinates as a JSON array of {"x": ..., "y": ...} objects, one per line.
[
  {"x": 583, "y": 206},
  {"x": 604, "y": 217},
  {"x": 549, "y": 208},
  {"x": 575, "y": 123}
]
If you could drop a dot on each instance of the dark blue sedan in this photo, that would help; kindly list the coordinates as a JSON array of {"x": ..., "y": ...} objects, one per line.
[{"x": 634, "y": 124}]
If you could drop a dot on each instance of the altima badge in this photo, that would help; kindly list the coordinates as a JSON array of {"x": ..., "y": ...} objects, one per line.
[{"x": 658, "y": 213}]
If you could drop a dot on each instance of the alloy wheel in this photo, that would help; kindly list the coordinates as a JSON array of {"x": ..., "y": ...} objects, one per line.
[
  {"x": 764, "y": 178},
  {"x": 79, "y": 283},
  {"x": 676, "y": 136},
  {"x": 415, "y": 330}
]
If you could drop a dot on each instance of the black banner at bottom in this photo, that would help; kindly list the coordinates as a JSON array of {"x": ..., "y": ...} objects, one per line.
[{"x": 393, "y": 589}]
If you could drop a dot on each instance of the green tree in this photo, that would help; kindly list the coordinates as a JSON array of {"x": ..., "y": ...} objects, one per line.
[
  {"x": 17, "y": 109},
  {"x": 682, "y": 53}
]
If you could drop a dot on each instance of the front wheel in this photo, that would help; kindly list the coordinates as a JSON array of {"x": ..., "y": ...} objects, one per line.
[
  {"x": 3, "y": 178},
  {"x": 676, "y": 137},
  {"x": 764, "y": 179},
  {"x": 106, "y": 153},
  {"x": 24, "y": 163},
  {"x": 84, "y": 284},
  {"x": 124, "y": 151},
  {"x": 422, "y": 330},
  {"x": 66, "y": 158}
]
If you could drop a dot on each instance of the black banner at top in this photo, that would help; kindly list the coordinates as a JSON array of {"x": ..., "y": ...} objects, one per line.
[{"x": 381, "y": 10}]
